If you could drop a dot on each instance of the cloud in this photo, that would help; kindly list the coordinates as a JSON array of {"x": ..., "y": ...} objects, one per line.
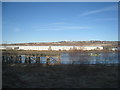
[
  {"x": 111, "y": 8},
  {"x": 16, "y": 29},
  {"x": 106, "y": 19},
  {"x": 63, "y": 28},
  {"x": 76, "y": 27},
  {"x": 58, "y": 23}
]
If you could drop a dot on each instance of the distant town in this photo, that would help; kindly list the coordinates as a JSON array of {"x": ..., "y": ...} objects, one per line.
[{"x": 64, "y": 45}]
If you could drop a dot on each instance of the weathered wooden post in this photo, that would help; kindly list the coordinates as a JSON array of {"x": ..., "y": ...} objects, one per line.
[
  {"x": 11, "y": 59},
  {"x": 37, "y": 59},
  {"x": 59, "y": 59},
  {"x": 20, "y": 60},
  {"x": 25, "y": 59},
  {"x": 48, "y": 61},
  {"x": 6, "y": 59},
  {"x": 17, "y": 58},
  {"x": 3, "y": 59},
  {"x": 29, "y": 59}
]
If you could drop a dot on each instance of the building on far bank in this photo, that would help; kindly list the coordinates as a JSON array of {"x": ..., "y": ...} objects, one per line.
[
  {"x": 114, "y": 49},
  {"x": 54, "y": 48},
  {"x": 2, "y": 47}
]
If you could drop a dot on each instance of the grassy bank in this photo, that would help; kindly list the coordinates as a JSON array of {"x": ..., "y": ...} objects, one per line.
[{"x": 59, "y": 76}]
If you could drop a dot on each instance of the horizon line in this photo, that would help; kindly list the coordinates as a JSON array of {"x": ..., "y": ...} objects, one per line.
[{"x": 60, "y": 41}]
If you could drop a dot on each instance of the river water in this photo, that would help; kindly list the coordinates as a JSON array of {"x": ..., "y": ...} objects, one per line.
[
  {"x": 89, "y": 58},
  {"x": 77, "y": 58}
]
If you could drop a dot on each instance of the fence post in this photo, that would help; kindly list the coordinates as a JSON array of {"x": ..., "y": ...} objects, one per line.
[
  {"x": 20, "y": 60},
  {"x": 3, "y": 59},
  {"x": 37, "y": 59},
  {"x": 58, "y": 59},
  {"x": 26, "y": 59},
  {"x": 29, "y": 59},
  {"x": 48, "y": 61}
]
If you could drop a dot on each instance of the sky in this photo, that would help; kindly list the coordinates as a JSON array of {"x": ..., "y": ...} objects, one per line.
[{"x": 58, "y": 21}]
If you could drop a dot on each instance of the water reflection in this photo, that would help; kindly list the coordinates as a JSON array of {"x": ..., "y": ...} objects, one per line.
[{"x": 43, "y": 60}]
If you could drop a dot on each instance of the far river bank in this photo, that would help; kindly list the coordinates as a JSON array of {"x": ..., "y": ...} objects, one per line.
[{"x": 5, "y": 52}]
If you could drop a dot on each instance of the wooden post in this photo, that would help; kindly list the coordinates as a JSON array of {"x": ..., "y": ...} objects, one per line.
[
  {"x": 37, "y": 59},
  {"x": 8, "y": 58},
  {"x": 26, "y": 59},
  {"x": 58, "y": 59},
  {"x": 11, "y": 59},
  {"x": 20, "y": 60},
  {"x": 3, "y": 59},
  {"x": 17, "y": 59},
  {"x": 48, "y": 61},
  {"x": 29, "y": 59}
]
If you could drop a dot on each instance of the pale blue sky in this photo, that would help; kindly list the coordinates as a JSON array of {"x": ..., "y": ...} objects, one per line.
[{"x": 50, "y": 21}]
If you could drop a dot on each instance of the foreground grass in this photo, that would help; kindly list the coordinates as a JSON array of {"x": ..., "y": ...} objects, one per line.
[{"x": 59, "y": 76}]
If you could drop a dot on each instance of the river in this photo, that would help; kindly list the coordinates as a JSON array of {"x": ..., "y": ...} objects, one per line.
[{"x": 74, "y": 58}]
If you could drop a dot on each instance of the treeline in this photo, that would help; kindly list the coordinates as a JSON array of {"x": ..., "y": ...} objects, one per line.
[{"x": 66, "y": 43}]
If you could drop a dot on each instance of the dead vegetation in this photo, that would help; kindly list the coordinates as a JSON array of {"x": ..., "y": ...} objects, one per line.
[{"x": 59, "y": 76}]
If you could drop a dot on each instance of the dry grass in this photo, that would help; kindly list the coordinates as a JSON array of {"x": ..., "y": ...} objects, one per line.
[{"x": 59, "y": 76}]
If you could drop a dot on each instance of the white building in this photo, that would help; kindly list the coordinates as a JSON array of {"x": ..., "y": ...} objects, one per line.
[
  {"x": 61, "y": 47},
  {"x": 1, "y": 48},
  {"x": 56, "y": 48},
  {"x": 114, "y": 49},
  {"x": 93, "y": 48},
  {"x": 33, "y": 47}
]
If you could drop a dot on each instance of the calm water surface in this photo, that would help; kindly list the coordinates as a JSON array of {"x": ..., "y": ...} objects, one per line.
[{"x": 89, "y": 58}]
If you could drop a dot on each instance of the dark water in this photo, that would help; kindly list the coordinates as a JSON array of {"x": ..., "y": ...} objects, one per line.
[{"x": 71, "y": 58}]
